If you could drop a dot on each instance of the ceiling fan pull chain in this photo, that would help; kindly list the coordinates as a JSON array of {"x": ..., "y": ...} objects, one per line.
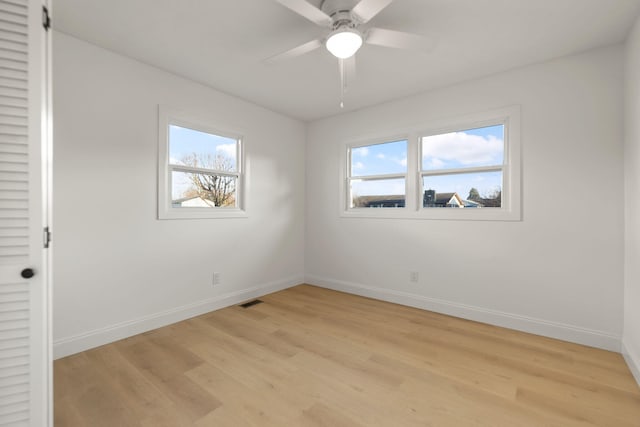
[{"x": 342, "y": 80}]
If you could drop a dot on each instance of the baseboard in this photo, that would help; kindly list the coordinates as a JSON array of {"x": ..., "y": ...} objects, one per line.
[
  {"x": 85, "y": 341},
  {"x": 633, "y": 361},
  {"x": 542, "y": 327}
]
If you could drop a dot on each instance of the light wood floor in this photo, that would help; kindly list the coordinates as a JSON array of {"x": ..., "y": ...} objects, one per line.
[{"x": 314, "y": 357}]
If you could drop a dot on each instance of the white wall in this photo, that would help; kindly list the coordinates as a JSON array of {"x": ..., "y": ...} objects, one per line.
[
  {"x": 118, "y": 270},
  {"x": 559, "y": 272},
  {"x": 631, "y": 336}
]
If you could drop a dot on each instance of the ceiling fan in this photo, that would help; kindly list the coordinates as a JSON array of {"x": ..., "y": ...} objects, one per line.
[{"x": 346, "y": 22}]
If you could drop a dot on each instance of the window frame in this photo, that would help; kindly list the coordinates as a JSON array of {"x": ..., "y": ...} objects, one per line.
[
  {"x": 380, "y": 177},
  {"x": 511, "y": 209},
  {"x": 169, "y": 116}
]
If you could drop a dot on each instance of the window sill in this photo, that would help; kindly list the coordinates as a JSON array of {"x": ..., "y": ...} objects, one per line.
[
  {"x": 441, "y": 214},
  {"x": 206, "y": 213}
]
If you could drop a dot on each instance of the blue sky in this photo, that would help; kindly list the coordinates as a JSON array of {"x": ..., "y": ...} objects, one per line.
[
  {"x": 469, "y": 148},
  {"x": 463, "y": 149},
  {"x": 184, "y": 141},
  {"x": 379, "y": 159}
]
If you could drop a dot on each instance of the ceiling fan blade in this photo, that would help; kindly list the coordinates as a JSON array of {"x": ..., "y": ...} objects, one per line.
[
  {"x": 307, "y": 10},
  {"x": 399, "y": 40},
  {"x": 367, "y": 9},
  {"x": 296, "y": 51}
]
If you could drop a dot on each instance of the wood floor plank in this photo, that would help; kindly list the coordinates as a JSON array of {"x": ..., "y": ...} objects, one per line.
[
  {"x": 320, "y": 415},
  {"x": 309, "y": 357},
  {"x": 255, "y": 405},
  {"x": 128, "y": 382}
]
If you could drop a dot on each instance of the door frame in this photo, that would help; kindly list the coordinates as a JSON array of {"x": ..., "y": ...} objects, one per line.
[{"x": 40, "y": 156}]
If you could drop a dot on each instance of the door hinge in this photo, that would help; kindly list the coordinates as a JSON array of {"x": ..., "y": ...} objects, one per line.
[
  {"x": 47, "y": 237},
  {"x": 46, "y": 19}
]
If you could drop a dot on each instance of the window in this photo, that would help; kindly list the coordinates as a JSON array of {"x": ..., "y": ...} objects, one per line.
[
  {"x": 463, "y": 169},
  {"x": 199, "y": 171},
  {"x": 378, "y": 174}
]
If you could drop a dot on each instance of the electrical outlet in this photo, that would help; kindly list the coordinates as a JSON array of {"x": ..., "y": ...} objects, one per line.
[
  {"x": 414, "y": 277},
  {"x": 216, "y": 278}
]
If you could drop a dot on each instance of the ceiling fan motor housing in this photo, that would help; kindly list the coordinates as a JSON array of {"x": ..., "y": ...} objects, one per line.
[{"x": 340, "y": 12}]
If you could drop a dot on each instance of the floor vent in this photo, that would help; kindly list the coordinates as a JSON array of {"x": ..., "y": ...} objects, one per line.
[{"x": 250, "y": 303}]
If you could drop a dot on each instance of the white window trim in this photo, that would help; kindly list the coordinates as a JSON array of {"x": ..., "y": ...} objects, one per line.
[
  {"x": 170, "y": 116},
  {"x": 349, "y": 177},
  {"x": 511, "y": 209},
  {"x": 345, "y": 179}
]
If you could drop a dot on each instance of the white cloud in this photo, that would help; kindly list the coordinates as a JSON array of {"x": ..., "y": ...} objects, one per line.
[
  {"x": 464, "y": 148},
  {"x": 380, "y": 156},
  {"x": 400, "y": 161},
  {"x": 358, "y": 165},
  {"x": 228, "y": 150},
  {"x": 362, "y": 151},
  {"x": 397, "y": 188},
  {"x": 377, "y": 188},
  {"x": 434, "y": 163}
]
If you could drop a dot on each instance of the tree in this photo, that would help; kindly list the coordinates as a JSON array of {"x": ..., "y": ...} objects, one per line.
[
  {"x": 493, "y": 199},
  {"x": 474, "y": 194},
  {"x": 219, "y": 189},
  {"x": 494, "y": 195}
]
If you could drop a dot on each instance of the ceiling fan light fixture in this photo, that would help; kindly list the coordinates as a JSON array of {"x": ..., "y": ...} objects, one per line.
[{"x": 344, "y": 42}]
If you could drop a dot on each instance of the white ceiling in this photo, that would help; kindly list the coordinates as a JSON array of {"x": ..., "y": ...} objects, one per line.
[{"x": 222, "y": 43}]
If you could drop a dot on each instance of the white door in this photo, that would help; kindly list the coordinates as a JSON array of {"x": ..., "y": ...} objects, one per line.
[{"x": 25, "y": 357}]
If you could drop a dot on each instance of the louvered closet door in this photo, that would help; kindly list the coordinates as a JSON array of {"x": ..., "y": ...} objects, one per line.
[{"x": 24, "y": 371}]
